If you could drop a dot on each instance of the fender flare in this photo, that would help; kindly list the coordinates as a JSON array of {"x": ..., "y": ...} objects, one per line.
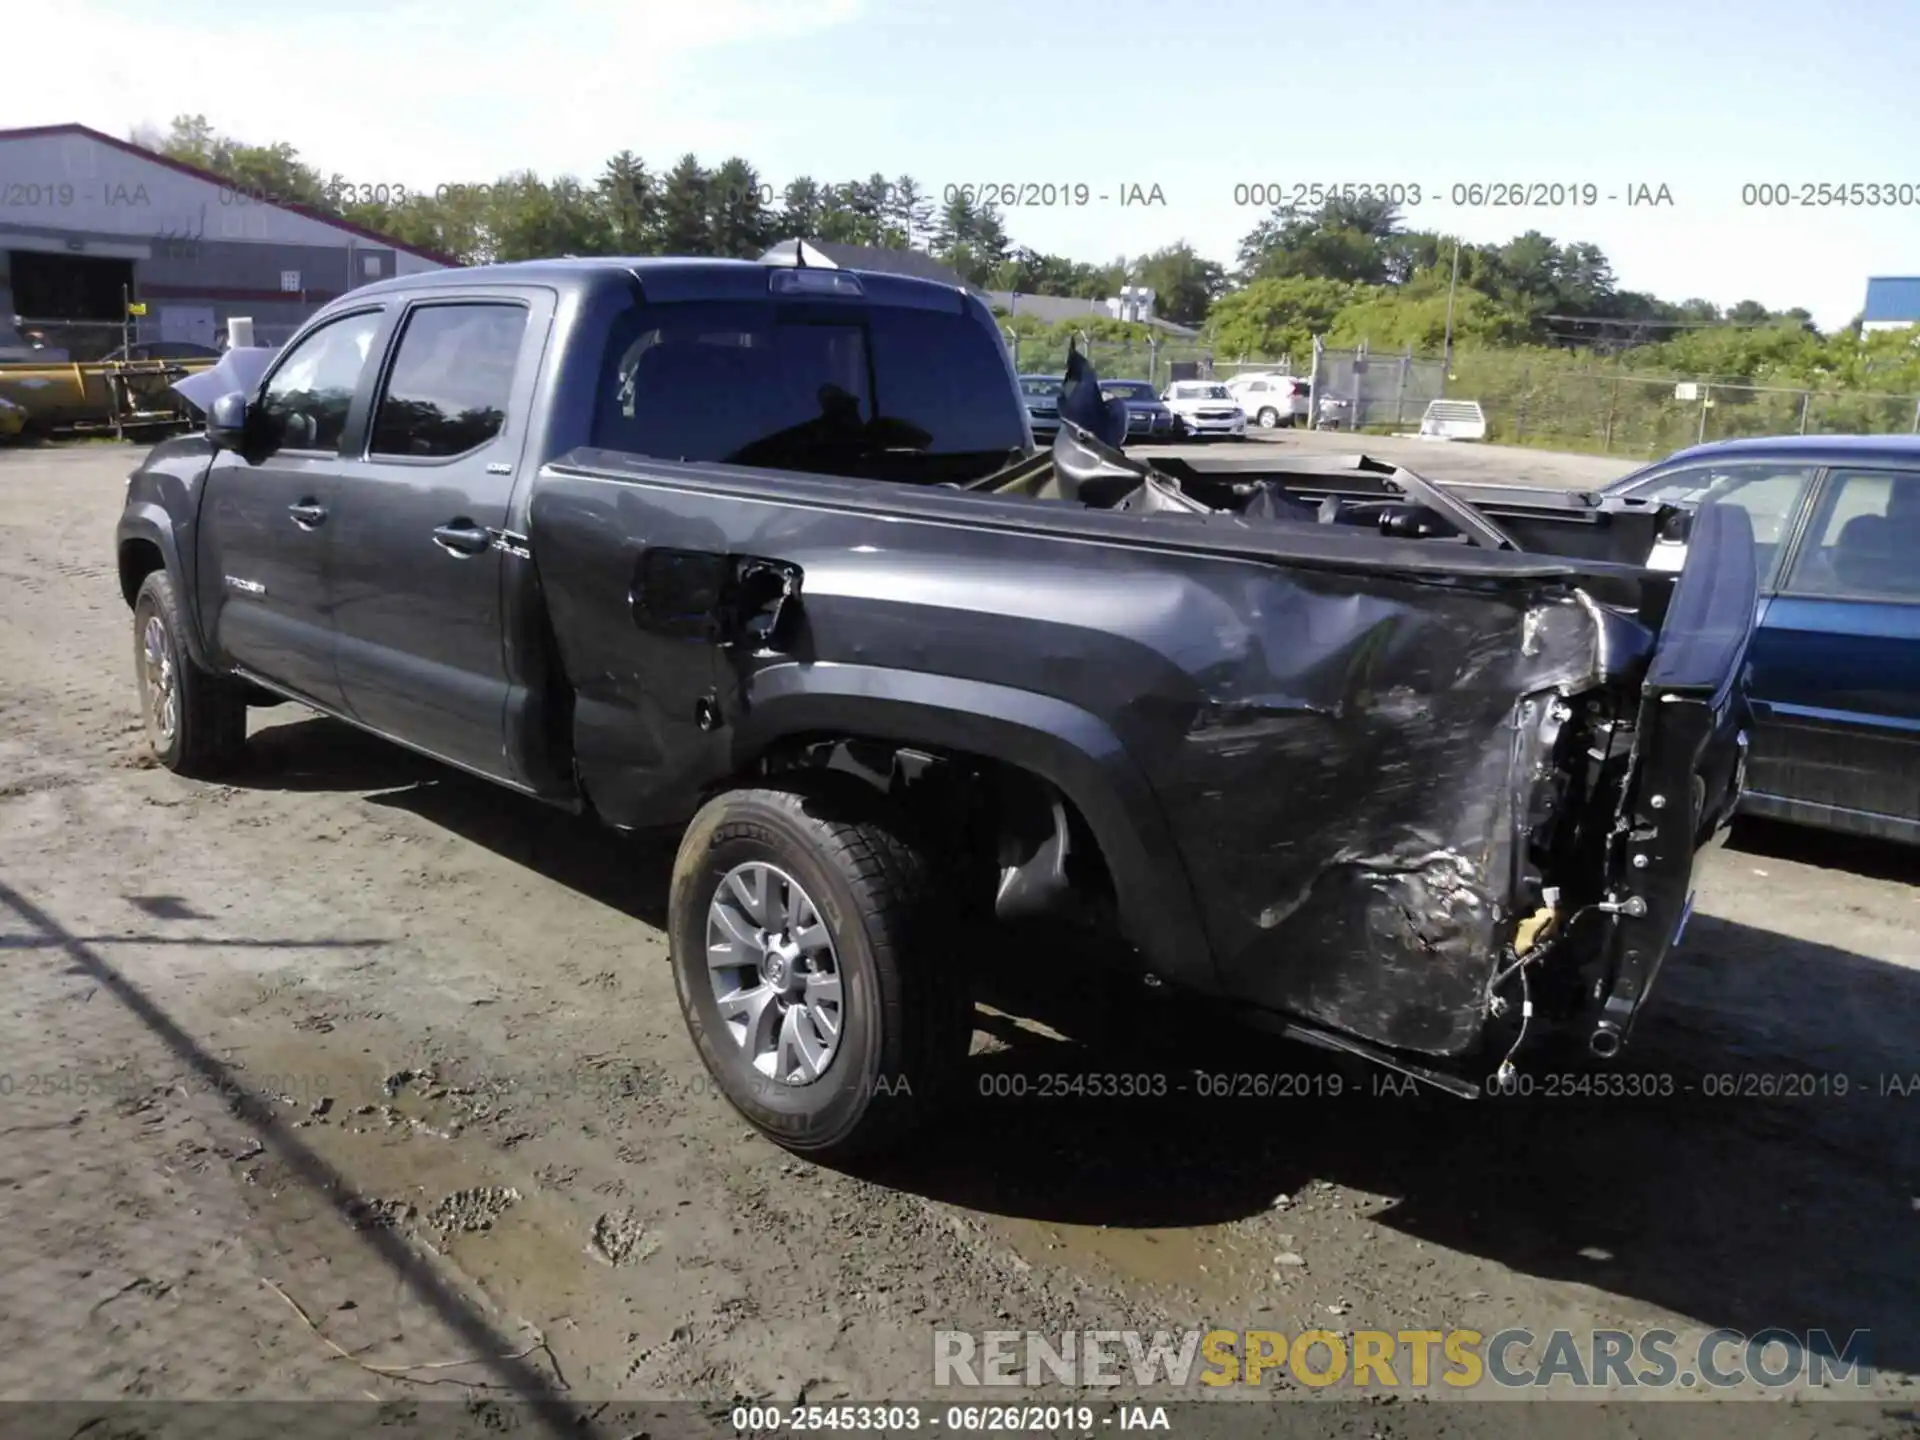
[
  {"x": 1061, "y": 743},
  {"x": 148, "y": 521}
]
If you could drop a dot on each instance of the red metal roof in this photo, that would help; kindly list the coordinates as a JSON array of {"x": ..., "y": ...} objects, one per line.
[{"x": 33, "y": 132}]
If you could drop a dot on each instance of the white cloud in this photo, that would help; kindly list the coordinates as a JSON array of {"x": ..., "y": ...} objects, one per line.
[{"x": 416, "y": 93}]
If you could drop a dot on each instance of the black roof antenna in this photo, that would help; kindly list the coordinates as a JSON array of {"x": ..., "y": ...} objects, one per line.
[{"x": 799, "y": 253}]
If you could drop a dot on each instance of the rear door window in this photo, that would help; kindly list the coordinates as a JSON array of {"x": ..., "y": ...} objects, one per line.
[
  {"x": 448, "y": 388},
  {"x": 888, "y": 392},
  {"x": 1864, "y": 541}
]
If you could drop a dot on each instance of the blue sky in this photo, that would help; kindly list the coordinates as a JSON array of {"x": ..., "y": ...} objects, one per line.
[{"x": 1195, "y": 97}]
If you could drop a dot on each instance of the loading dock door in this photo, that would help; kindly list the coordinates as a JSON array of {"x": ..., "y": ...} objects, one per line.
[{"x": 69, "y": 287}]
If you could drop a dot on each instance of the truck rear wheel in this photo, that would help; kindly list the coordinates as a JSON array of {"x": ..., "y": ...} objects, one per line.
[
  {"x": 196, "y": 721},
  {"x": 809, "y": 953}
]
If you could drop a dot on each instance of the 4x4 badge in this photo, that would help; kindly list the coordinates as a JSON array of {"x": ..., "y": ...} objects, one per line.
[{"x": 510, "y": 542}]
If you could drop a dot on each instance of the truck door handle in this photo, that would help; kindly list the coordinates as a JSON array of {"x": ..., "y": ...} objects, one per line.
[
  {"x": 308, "y": 513},
  {"x": 462, "y": 537}
]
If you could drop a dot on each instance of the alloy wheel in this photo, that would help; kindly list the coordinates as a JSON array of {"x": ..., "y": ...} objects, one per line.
[
  {"x": 775, "y": 973},
  {"x": 159, "y": 680}
]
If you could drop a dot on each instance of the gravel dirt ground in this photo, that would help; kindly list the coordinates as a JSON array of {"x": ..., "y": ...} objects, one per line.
[{"x": 354, "y": 1077}]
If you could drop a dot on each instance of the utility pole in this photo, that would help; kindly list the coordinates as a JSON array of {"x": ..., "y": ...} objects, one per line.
[{"x": 1446, "y": 349}]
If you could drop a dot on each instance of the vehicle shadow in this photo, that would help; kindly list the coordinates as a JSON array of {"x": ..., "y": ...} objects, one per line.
[
  {"x": 312, "y": 752},
  {"x": 628, "y": 872},
  {"x": 1875, "y": 859},
  {"x": 1764, "y": 1176}
]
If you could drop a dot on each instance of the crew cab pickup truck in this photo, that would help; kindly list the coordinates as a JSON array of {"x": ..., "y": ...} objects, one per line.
[{"x": 765, "y": 554}]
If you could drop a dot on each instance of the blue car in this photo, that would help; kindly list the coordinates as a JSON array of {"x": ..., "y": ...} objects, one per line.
[{"x": 1835, "y": 677}]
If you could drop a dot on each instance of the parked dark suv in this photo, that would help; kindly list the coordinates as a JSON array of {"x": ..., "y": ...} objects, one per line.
[{"x": 1147, "y": 413}]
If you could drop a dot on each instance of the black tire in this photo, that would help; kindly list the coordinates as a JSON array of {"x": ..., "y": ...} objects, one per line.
[
  {"x": 906, "y": 1012},
  {"x": 1268, "y": 418},
  {"x": 209, "y": 731}
]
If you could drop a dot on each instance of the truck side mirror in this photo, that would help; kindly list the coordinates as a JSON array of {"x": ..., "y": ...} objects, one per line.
[{"x": 227, "y": 421}]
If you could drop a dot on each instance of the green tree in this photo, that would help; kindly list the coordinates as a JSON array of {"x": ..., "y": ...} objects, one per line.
[
  {"x": 1275, "y": 317},
  {"x": 1585, "y": 281},
  {"x": 972, "y": 238},
  {"x": 274, "y": 172},
  {"x": 843, "y": 219},
  {"x": 872, "y": 200},
  {"x": 1184, "y": 285},
  {"x": 803, "y": 209},
  {"x": 861, "y": 212},
  {"x": 685, "y": 206},
  {"x": 1030, "y": 272},
  {"x": 1292, "y": 243},
  {"x": 630, "y": 200},
  {"x": 1412, "y": 252},
  {"x": 740, "y": 224},
  {"x": 528, "y": 218},
  {"x": 1378, "y": 219},
  {"x": 1097, "y": 282},
  {"x": 1347, "y": 271},
  {"x": 1389, "y": 319},
  {"x": 910, "y": 213}
]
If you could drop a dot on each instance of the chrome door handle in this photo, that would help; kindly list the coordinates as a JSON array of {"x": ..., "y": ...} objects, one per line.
[
  {"x": 307, "y": 514},
  {"x": 462, "y": 539}
]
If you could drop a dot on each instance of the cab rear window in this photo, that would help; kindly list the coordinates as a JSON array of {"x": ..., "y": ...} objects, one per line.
[{"x": 833, "y": 388}]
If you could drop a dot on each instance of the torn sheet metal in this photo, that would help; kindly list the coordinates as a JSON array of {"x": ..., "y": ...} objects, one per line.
[{"x": 1350, "y": 790}]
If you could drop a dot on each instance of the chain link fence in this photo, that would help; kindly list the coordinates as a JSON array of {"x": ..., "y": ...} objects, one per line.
[
  {"x": 1045, "y": 353},
  {"x": 1391, "y": 390},
  {"x": 1528, "y": 400},
  {"x": 1160, "y": 362},
  {"x": 1233, "y": 369},
  {"x": 1613, "y": 412}
]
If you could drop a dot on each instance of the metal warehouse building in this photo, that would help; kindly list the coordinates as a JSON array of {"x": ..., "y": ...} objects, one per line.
[{"x": 88, "y": 222}]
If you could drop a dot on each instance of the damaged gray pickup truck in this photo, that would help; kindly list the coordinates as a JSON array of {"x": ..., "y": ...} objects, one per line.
[{"x": 765, "y": 553}]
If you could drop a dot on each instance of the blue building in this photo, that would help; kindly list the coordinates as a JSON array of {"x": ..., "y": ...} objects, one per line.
[{"x": 1893, "y": 302}]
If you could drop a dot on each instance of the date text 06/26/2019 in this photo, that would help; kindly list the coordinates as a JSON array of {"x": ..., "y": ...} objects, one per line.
[
  {"x": 1000, "y": 194},
  {"x": 1459, "y": 195}
]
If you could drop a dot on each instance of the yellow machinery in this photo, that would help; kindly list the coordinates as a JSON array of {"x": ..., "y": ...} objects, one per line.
[{"x": 96, "y": 396}]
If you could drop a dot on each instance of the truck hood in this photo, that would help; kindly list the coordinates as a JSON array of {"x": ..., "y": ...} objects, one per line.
[{"x": 238, "y": 371}]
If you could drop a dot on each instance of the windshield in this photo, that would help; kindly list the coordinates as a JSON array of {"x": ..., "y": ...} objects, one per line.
[
  {"x": 1127, "y": 390},
  {"x": 830, "y": 388},
  {"x": 1201, "y": 392},
  {"x": 1041, "y": 387}
]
